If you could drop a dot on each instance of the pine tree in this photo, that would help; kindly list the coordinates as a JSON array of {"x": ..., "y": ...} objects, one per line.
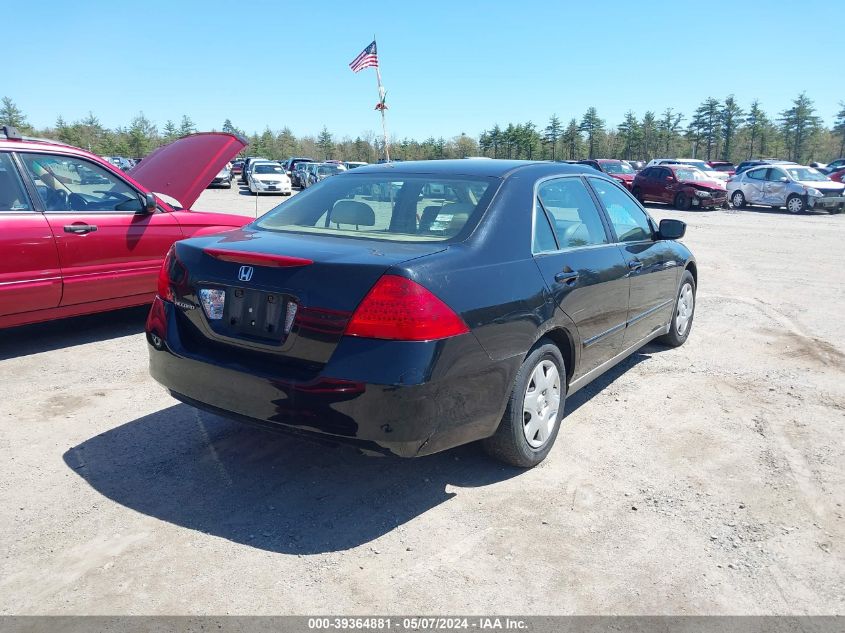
[
  {"x": 648, "y": 136},
  {"x": 169, "y": 131},
  {"x": 756, "y": 123},
  {"x": 186, "y": 126},
  {"x": 326, "y": 143},
  {"x": 705, "y": 127},
  {"x": 730, "y": 118},
  {"x": 799, "y": 124},
  {"x": 142, "y": 136},
  {"x": 552, "y": 134},
  {"x": 572, "y": 140},
  {"x": 11, "y": 114},
  {"x": 630, "y": 133},
  {"x": 593, "y": 127},
  {"x": 669, "y": 129},
  {"x": 839, "y": 128}
]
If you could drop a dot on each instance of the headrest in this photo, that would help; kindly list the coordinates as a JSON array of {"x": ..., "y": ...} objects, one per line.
[{"x": 353, "y": 212}]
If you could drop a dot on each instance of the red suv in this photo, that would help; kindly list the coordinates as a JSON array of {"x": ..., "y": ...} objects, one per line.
[
  {"x": 680, "y": 185},
  {"x": 79, "y": 236}
]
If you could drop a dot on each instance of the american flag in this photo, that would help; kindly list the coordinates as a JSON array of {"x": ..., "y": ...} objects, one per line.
[{"x": 367, "y": 58}]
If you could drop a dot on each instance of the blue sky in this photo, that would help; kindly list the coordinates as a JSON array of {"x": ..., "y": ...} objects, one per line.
[{"x": 449, "y": 67}]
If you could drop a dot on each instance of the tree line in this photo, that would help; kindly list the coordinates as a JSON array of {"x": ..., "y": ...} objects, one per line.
[{"x": 716, "y": 130}]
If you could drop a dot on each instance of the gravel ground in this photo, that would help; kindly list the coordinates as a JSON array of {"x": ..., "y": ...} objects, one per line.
[{"x": 702, "y": 480}]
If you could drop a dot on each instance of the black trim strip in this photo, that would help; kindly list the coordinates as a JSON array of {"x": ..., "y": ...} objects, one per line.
[{"x": 648, "y": 312}]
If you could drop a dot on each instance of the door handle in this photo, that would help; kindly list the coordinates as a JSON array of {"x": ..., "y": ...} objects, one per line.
[
  {"x": 80, "y": 229},
  {"x": 568, "y": 277},
  {"x": 635, "y": 264}
]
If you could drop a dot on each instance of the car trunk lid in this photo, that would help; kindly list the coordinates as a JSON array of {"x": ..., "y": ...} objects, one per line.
[{"x": 279, "y": 296}]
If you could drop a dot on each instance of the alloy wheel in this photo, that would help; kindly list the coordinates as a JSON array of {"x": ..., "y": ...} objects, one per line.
[{"x": 541, "y": 404}]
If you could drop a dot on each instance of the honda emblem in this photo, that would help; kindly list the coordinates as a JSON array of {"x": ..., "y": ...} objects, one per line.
[{"x": 245, "y": 273}]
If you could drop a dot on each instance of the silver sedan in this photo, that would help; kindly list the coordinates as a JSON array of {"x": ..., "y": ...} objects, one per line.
[{"x": 795, "y": 187}]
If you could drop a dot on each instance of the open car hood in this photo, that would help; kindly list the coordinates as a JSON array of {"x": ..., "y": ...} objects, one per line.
[{"x": 184, "y": 168}]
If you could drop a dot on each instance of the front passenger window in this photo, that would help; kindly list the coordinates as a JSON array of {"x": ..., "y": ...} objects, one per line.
[
  {"x": 629, "y": 221},
  {"x": 66, "y": 183}
]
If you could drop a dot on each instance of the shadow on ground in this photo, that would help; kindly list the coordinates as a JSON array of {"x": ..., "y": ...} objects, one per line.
[
  {"x": 277, "y": 492},
  {"x": 61, "y": 333}
]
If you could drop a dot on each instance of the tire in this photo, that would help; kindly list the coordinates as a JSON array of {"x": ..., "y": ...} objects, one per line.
[
  {"x": 681, "y": 324},
  {"x": 835, "y": 210},
  {"x": 795, "y": 204},
  {"x": 510, "y": 443},
  {"x": 738, "y": 199},
  {"x": 638, "y": 194},
  {"x": 682, "y": 202}
]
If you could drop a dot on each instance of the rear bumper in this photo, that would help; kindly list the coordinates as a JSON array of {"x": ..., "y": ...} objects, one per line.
[{"x": 408, "y": 399}]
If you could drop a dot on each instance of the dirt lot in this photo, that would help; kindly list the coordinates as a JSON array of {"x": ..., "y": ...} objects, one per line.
[{"x": 707, "y": 479}]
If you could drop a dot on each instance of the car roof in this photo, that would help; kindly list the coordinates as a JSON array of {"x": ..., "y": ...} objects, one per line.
[{"x": 499, "y": 168}]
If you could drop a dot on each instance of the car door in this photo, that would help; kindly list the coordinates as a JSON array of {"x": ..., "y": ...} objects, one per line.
[
  {"x": 651, "y": 265},
  {"x": 584, "y": 271},
  {"x": 664, "y": 188},
  {"x": 30, "y": 276},
  {"x": 109, "y": 247},
  {"x": 775, "y": 189},
  {"x": 752, "y": 185}
]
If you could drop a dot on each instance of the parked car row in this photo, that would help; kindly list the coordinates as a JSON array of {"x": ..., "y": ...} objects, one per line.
[{"x": 691, "y": 183}]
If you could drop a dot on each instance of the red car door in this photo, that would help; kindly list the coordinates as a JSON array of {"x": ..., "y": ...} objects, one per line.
[
  {"x": 30, "y": 278},
  {"x": 108, "y": 246}
]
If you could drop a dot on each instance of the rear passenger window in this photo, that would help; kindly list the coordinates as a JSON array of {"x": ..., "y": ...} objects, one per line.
[
  {"x": 544, "y": 239},
  {"x": 629, "y": 221},
  {"x": 12, "y": 194},
  {"x": 575, "y": 218}
]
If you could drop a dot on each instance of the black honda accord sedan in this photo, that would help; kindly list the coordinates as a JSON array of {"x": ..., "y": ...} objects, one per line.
[{"x": 416, "y": 306}]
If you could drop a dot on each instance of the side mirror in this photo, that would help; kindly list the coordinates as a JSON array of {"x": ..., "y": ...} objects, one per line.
[
  {"x": 671, "y": 229},
  {"x": 149, "y": 203},
  {"x": 783, "y": 179}
]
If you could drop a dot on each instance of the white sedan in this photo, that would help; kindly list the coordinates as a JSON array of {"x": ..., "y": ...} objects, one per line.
[{"x": 268, "y": 177}]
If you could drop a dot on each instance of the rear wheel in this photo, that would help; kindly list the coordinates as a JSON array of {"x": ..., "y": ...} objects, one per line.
[
  {"x": 738, "y": 200},
  {"x": 682, "y": 202},
  {"x": 532, "y": 418},
  {"x": 682, "y": 318},
  {"x": 795, "y": 204}
]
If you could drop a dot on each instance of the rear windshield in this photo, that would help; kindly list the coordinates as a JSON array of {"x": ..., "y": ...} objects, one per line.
[
  {"x": 617, "y": 168},
  {"x": 328, "y": 170},
  {"x": 393, "y": 207}
]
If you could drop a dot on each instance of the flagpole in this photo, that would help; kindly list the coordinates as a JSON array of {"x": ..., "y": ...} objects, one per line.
[{"x": 383, "y": 121}]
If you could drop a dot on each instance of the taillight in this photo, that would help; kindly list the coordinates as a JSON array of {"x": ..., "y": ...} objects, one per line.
[
  {"x": 397, "y": 308},
  {"x": 171, "y": 272}
]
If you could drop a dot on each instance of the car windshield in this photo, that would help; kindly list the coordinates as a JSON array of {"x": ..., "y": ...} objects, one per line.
[
  {"x": 690, "y": 173},
  {"x": 617, "y": 167},
  {"x": 268, "y": 169},
  {"x": 805, "y": 173},
  {"x": 328, "y": 170},
  {"x": 723, "y": 167},
  {"x": 393, "y": 207}
]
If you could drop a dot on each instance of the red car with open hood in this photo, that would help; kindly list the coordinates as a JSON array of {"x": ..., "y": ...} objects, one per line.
[{"x": 79, "y": 236}]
